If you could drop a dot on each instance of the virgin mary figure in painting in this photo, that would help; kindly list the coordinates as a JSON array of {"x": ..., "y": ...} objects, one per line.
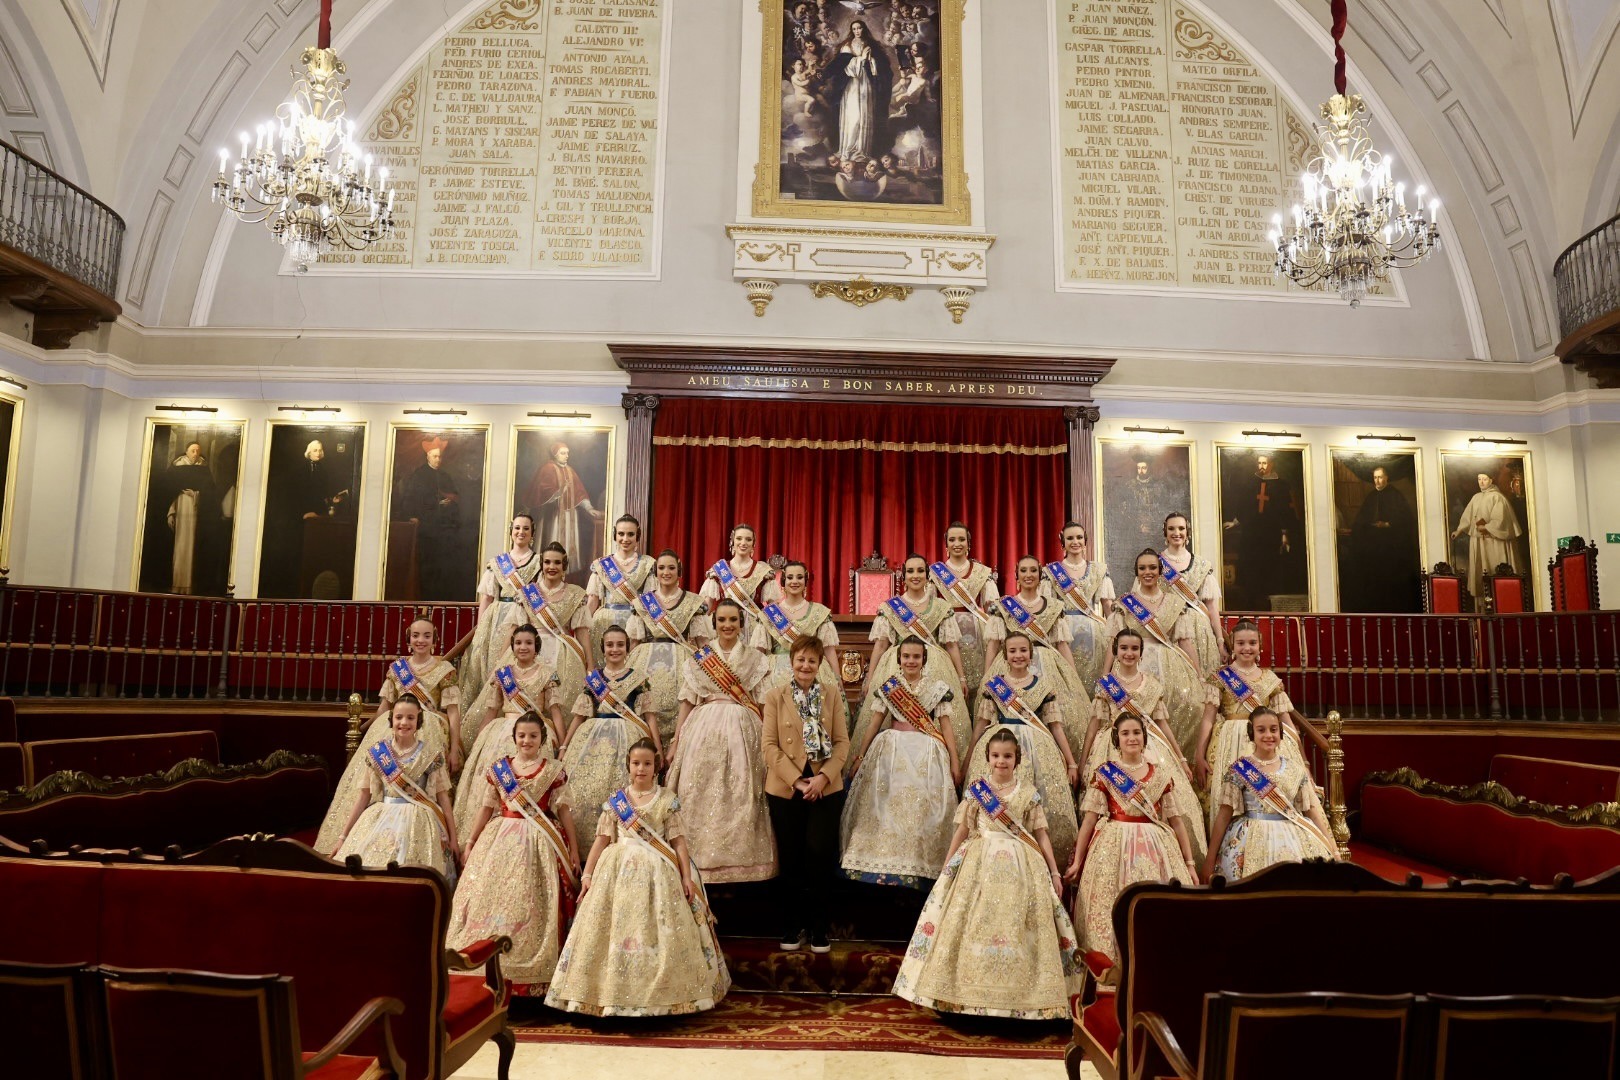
[{"x": 858, "y": 85}]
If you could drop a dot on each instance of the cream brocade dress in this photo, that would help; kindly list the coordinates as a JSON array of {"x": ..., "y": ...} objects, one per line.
[
  {"x": 514, "y": 884},
  {"x": 980, "y": 583},
  {"x": 596, "y": 756},
  {"x": 1086, "y": 632},
  {"x": 993, "y": 938},
  {"x": 638, "y": 946},
  {"x": 615, "y": 609},
  {"x": 1040, "y": 762},
  {"x": 495, "y": 741},
  {"x": 1148, "y": 696},
  {"x": 719, "y": 773},
  {"x": 439, "y": 681},
  {"x": 1229, "y": 738},
  {"x": 813, "y": 620},
  {"x": 759, "y": 585},
  {"x": 1200, "y": 576},
  {"x": 1183, "y": 683},
  {"x": 492, "y": 637},
  {"x": 940, "y": 621},
  {"x": 897, "y": 822},
  {"x": 1126, "y": 847},
  {"x": 661, "y": 658},
  {"x": 1259, "y": 837},
  {"x": 396, "y": 828},
  {"x": 1073, "y": 696}
]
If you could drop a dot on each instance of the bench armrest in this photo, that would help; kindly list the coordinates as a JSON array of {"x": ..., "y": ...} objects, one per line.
[
  {"x": 378, "y": 1008},
  {"x": 1153, "y": 1024}
]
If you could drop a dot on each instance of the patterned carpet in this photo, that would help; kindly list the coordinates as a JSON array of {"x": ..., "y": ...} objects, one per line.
[{"x": 756, "y": 1021}]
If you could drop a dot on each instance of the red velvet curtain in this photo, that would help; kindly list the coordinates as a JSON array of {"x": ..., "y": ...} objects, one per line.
[{"x": 828, "y": 483}]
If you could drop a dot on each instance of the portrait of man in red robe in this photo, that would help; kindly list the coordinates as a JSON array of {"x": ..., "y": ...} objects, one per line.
[{"x": 563, "y": 509}]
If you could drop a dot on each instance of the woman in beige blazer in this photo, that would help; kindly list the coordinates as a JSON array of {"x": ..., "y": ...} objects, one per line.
[{"x": 804, "y": 742}]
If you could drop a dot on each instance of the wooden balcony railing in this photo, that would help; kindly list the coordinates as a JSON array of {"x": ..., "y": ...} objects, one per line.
[
  {"x": 1586, "y": 278},
  {"x": 59, "y": 249}
]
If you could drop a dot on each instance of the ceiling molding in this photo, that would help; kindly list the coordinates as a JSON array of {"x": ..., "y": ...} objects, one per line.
[
  {"x": 1579, "y": 75},
  {"x": 95, "y": 31}
]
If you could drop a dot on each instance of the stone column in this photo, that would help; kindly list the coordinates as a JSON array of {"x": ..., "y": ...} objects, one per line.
[
  {"x": 1082, "y": 466},
  {"x": 641, "y": 409}
]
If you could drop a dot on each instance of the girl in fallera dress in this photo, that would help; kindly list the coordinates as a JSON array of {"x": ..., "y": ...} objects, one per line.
[
  {"x": 1033, "y": 717},
  {"x": 993, "y": 938},
  {"x": 807, "y": 619},
  {"x": 1168, "y": 650},
  {"x": 536, "y": 691},
  {"x": 975, "y": 582},
  {"x": 612, "y": 604},
  {"x": 519, "y": 881},
  {"x": 1223, "y": 736},
  {"x": 643, "y": 941},
  {"x": 1284, "y": 823},
  {"x": 433, "y": 678},
  {"x": 934, "y": 622},
  {"x": 563, "y": 623},
  {"x": 717, "y": 768},
  {"x": 755, "y": 581},
  {"x": 500, "y": 611},
  {"x": 603, "y": 730},
  {"x": 1048, "y": 631},
  {"x": 663, "y": 644},
  {"x": 1089, "y": 589},
  {"x": 404, "y": 814},
  {"x": 1126, "y": 838},
  {"x": 1197, "y": 578},
  {"x": 897, "y": 820}
]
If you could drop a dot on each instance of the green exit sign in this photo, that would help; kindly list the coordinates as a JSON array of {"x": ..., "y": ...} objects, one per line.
[
  {"x": 1564, "y": 542},
  {"x": 1613, "y": 538}
]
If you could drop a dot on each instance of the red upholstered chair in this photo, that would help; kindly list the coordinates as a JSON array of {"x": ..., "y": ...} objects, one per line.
[
  {"x": 1574, "y": 576},
  {"x": 872, "y": 583},
  {"x": 165, "y": 1025},
  {"x": 1444, "y": 592},
  {"x": 45, "y": 1021},
  {"x": 1255, "y": 1035},
  {"x": 1507, "y": 593}
]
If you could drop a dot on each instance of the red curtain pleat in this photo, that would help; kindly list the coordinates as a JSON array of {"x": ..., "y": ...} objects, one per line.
[{"x": 831, "y": 508}]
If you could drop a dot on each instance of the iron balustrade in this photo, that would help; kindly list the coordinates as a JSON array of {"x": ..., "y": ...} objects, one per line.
[
  {"x": 1586, "y": 277},
  {"x": 57, "y": 222}
]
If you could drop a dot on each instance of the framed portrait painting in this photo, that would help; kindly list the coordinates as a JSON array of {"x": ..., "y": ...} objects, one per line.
[
  {"x": 435, "y": 512},
  {"x": 1265, "y": 527},
  {"x": 190, "y": 484},
  {"x": 1377, "y": 505},
  {"x": 10, "y": 447},
  {"x": 564, "y": 476},
  {"x": 861, "y": 112},
  {"x": 1489, "y": 517},
  {"x": 310, "y": 528},
  {"x": 1141, "y": 482}
]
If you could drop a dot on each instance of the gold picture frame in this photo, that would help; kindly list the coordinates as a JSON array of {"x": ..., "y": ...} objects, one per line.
[
  {"x": 12, "y": 446},
  {"x": 398, "y": 429},
  {"x": 1102, "y": 542},
  {"x": 356, "y": 500},
  {"x": 593, "y": 456},
  {"x": 1232, "y": 588},
  {"x": 1456, "y": 484},
  {"x": 954, "y": 206},
  {"x": 221, "y": 481},
  {"x": 1372, "y": 456}
]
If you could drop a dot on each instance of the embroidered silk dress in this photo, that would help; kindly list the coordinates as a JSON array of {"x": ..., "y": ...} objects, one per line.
[
  {"x": 1200, "y": 576},
  {"x": 810, "y": 620},
  {"x": 638, "y": 946},
  {"x": 993, "y": 938},
  {"x": 979, "y": 581},
  {"x": 596, "y": 753},
  {"x": 1049, "y": 628},
  {"x": 719, "y": 773},
  {"x": 396, "y": 827},
  {"x": 1259, "y": 837},
  {"x": 897, "y": 821},
  {"x": 1229, "y": 738},
  {"x": 493, "y": 634},
  {"x": 1086, "y": 637},
  {"x": 1126, "y": 847},
  {"x": 661, "y": 657},
  {"x": 758, "y": 584},
  {"x": 1183, "y": 684},
  {"x": 1148, "y": 696},
  {"x": 937, "y": 617},
  {"x": 616, "y": 609},
  {"x": 538, "y": 684},
  {"x": 514, "y": 883},
  {"x": 438, "y": 681},
  {"x": 1040, "y": 762}
]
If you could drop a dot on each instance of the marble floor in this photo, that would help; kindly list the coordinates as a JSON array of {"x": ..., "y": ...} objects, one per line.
[{"x": 546, "y": 1061}]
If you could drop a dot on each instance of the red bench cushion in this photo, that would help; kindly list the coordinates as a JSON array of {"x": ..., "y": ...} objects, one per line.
[
  {"x": 1560, "y": 783},
  {"x": 347, "y": 1067},
  {"x": 127, "y": 755},
  {"x": 469, "y": 1003}
]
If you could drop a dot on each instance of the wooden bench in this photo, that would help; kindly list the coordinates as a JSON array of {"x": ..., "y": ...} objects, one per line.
[
  {"x": 117, "y": 756},
  {"x": 1337, "y": 928},
  {"x": 345, "y": 935}
]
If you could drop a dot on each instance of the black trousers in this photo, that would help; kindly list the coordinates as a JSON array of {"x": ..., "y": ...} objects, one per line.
[{"x": 807, "y": 853}]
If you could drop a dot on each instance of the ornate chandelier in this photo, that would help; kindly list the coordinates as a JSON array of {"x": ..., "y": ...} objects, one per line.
[
  {"x": 1354, "y": 225},
  {"x": 302, "y": 175}
]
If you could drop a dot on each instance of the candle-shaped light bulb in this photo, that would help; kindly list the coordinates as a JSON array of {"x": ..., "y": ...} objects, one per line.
[
  {"x": 368, "y": 168},
  {"x": 224, "y": 160}
]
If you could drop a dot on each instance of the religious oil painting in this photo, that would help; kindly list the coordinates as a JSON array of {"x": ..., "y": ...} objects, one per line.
[
  {"x": 435, "y": 512},
  {"x": 190, "y": 488},
  {"x": 1377, "y": 505},
  {"x": 10, "y": 442},
  {"x": 563, "y": 476},
  {"x": 1265, "y": 527},
  {"x": 1489, "y": 515},
  {"x": 861, "y": 107},
  {"x": 1141, "y": 482},
  {"x": 310, "y": 529}
]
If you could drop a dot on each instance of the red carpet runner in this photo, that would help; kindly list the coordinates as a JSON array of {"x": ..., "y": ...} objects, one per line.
[{"x": 756, "y": 1021}]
